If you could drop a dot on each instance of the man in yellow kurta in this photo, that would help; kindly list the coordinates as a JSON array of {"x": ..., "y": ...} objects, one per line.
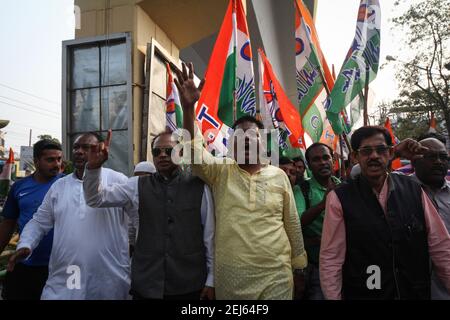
[{"x": 259, "y": 244}]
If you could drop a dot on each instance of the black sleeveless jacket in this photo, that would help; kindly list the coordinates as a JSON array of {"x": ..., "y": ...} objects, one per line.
[{"x": 395, "y": 242}]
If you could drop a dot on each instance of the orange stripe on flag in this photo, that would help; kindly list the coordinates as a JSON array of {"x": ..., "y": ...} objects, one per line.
[
  {"x": 396, "y": 163},
  {"x": 11, "y": 156},
  {"x": 214, "y": 73},
  {"x": 433, "y": 121},
  {"x": 289, "y": 113}
]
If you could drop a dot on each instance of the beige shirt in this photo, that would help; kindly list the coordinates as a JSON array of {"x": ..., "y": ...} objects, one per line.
[{"x": 258, "y": 234}]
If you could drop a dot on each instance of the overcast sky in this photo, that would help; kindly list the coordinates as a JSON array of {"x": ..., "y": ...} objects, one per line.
[{"x": 30, "y": 59}]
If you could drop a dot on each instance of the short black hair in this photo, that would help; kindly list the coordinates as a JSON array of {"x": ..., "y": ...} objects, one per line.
[
  {"x": 159, "y": 135},
  {"x": 316, "y": 145},
  {"x": 95, "y": 134},
  {"x": 243, "y": 119},
  {"x": 284, "y": 160},
  {"x": 369, "y": 131},
  {"x": 45, "y": 144},
  {"x": 299, "y": 158},
  {"x": 434, "y": 135}
]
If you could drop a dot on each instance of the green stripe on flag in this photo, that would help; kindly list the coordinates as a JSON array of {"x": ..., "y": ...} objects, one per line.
[
  {"x": 225, "y": 111},
  {"x": 312, "y": 123}
]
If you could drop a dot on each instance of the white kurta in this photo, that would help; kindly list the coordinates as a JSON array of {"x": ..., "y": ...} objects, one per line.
[{"x": 90, "y": 256}]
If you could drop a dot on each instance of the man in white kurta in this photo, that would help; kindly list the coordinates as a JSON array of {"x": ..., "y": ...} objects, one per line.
[{"x": 90, "y": 256}]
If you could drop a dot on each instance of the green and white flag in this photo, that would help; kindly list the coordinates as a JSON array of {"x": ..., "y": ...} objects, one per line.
[
  {"x": 361, "y": 64},
  {"x": 312, "y": 74}
]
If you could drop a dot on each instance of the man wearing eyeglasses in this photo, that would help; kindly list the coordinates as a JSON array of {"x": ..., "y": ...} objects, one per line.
[
  {"x": 430, "y": 171},
  {"x": 380, "y": 229},
  {"x": 174, "y": 252}
]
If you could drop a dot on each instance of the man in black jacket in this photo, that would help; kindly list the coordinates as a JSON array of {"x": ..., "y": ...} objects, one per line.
[{"x": 381, "y": 229}]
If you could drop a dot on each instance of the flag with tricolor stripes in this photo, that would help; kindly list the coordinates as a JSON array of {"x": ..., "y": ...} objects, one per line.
[
  {"x": 5, "y": 175},
  {"x": 277, "y": 110},
  {"x": 229, "y": 91},
  {"x": 361, "y": 64},
  {"x": 312, "y": 73},
  {"x": 328, "y": 136},
  {"x": 174, "y": 112},
  {"x": 396, "y": 163},
  {"x": 432, "y": 128}
]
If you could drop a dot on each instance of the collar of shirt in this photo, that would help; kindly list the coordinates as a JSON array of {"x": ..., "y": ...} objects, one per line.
[
  {"x": 74, "y": 176},
  {"x": 445, "y": 185},
  {"x": 261, "y": 169},
  {"x": 316, "y": 185},
  {"x": 175, "y": 174}
]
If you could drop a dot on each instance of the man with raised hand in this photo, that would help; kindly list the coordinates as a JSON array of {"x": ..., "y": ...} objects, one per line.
[
  {"x": 174, "y": 252},
  {"x": 89, "y": 258},
  {"x": 381, "y": 229},
  {"x": 259, "y": 244}
]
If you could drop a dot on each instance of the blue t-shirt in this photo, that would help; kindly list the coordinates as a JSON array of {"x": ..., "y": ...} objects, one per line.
[{"x": 24, "y": 198}]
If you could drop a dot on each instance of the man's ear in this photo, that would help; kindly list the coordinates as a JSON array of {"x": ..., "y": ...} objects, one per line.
[
  {"x": 36, "y": 161},
  {"x": 355, "y": 156}
]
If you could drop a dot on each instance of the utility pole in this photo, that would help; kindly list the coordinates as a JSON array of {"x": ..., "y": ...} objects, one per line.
[{"x": 29, "y": 141}]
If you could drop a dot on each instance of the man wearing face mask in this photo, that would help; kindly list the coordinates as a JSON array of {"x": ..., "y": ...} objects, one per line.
[
  {"x": 380, "y": 229},
  {"x": 430, "y": 171}
]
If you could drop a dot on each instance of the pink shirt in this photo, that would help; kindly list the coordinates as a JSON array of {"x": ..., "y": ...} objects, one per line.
[{"x": 333, "y": 246}]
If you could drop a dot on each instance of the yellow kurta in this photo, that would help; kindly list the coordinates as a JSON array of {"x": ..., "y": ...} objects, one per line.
[{"x": 258, "y": 236}]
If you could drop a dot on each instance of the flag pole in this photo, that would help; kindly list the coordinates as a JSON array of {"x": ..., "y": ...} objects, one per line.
[
  {"x": 366, "y": 97},
  {"x": 234, "y": 15},
  {"x": 342, "y": 174},
  {"x": 322, "y": 77},
  {"x": 347, "y": 142}
]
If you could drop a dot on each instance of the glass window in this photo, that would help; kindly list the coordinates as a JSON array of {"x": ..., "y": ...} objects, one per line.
[
  {"x": 159, "y": 77},
  {"x": 113, "y": 66},
  {"x": 85, "y": 110},
  {"x": 118, "y": 152},
  {"x": 157, "y": 116},
  {"x": 85, "y": 67},
  {"x": 98, "y": 95},
  {"x": 114, "y": 107}
]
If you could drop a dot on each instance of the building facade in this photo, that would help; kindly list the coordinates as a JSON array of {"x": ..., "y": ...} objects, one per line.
[{"x": 114, "y": 72}]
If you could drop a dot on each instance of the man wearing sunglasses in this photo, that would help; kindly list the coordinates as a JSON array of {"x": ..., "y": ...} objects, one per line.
[
  {"x": 380, "y": 229},
  {"x": 174, "y": 251},
  {"x": 430, "y": 172}
]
